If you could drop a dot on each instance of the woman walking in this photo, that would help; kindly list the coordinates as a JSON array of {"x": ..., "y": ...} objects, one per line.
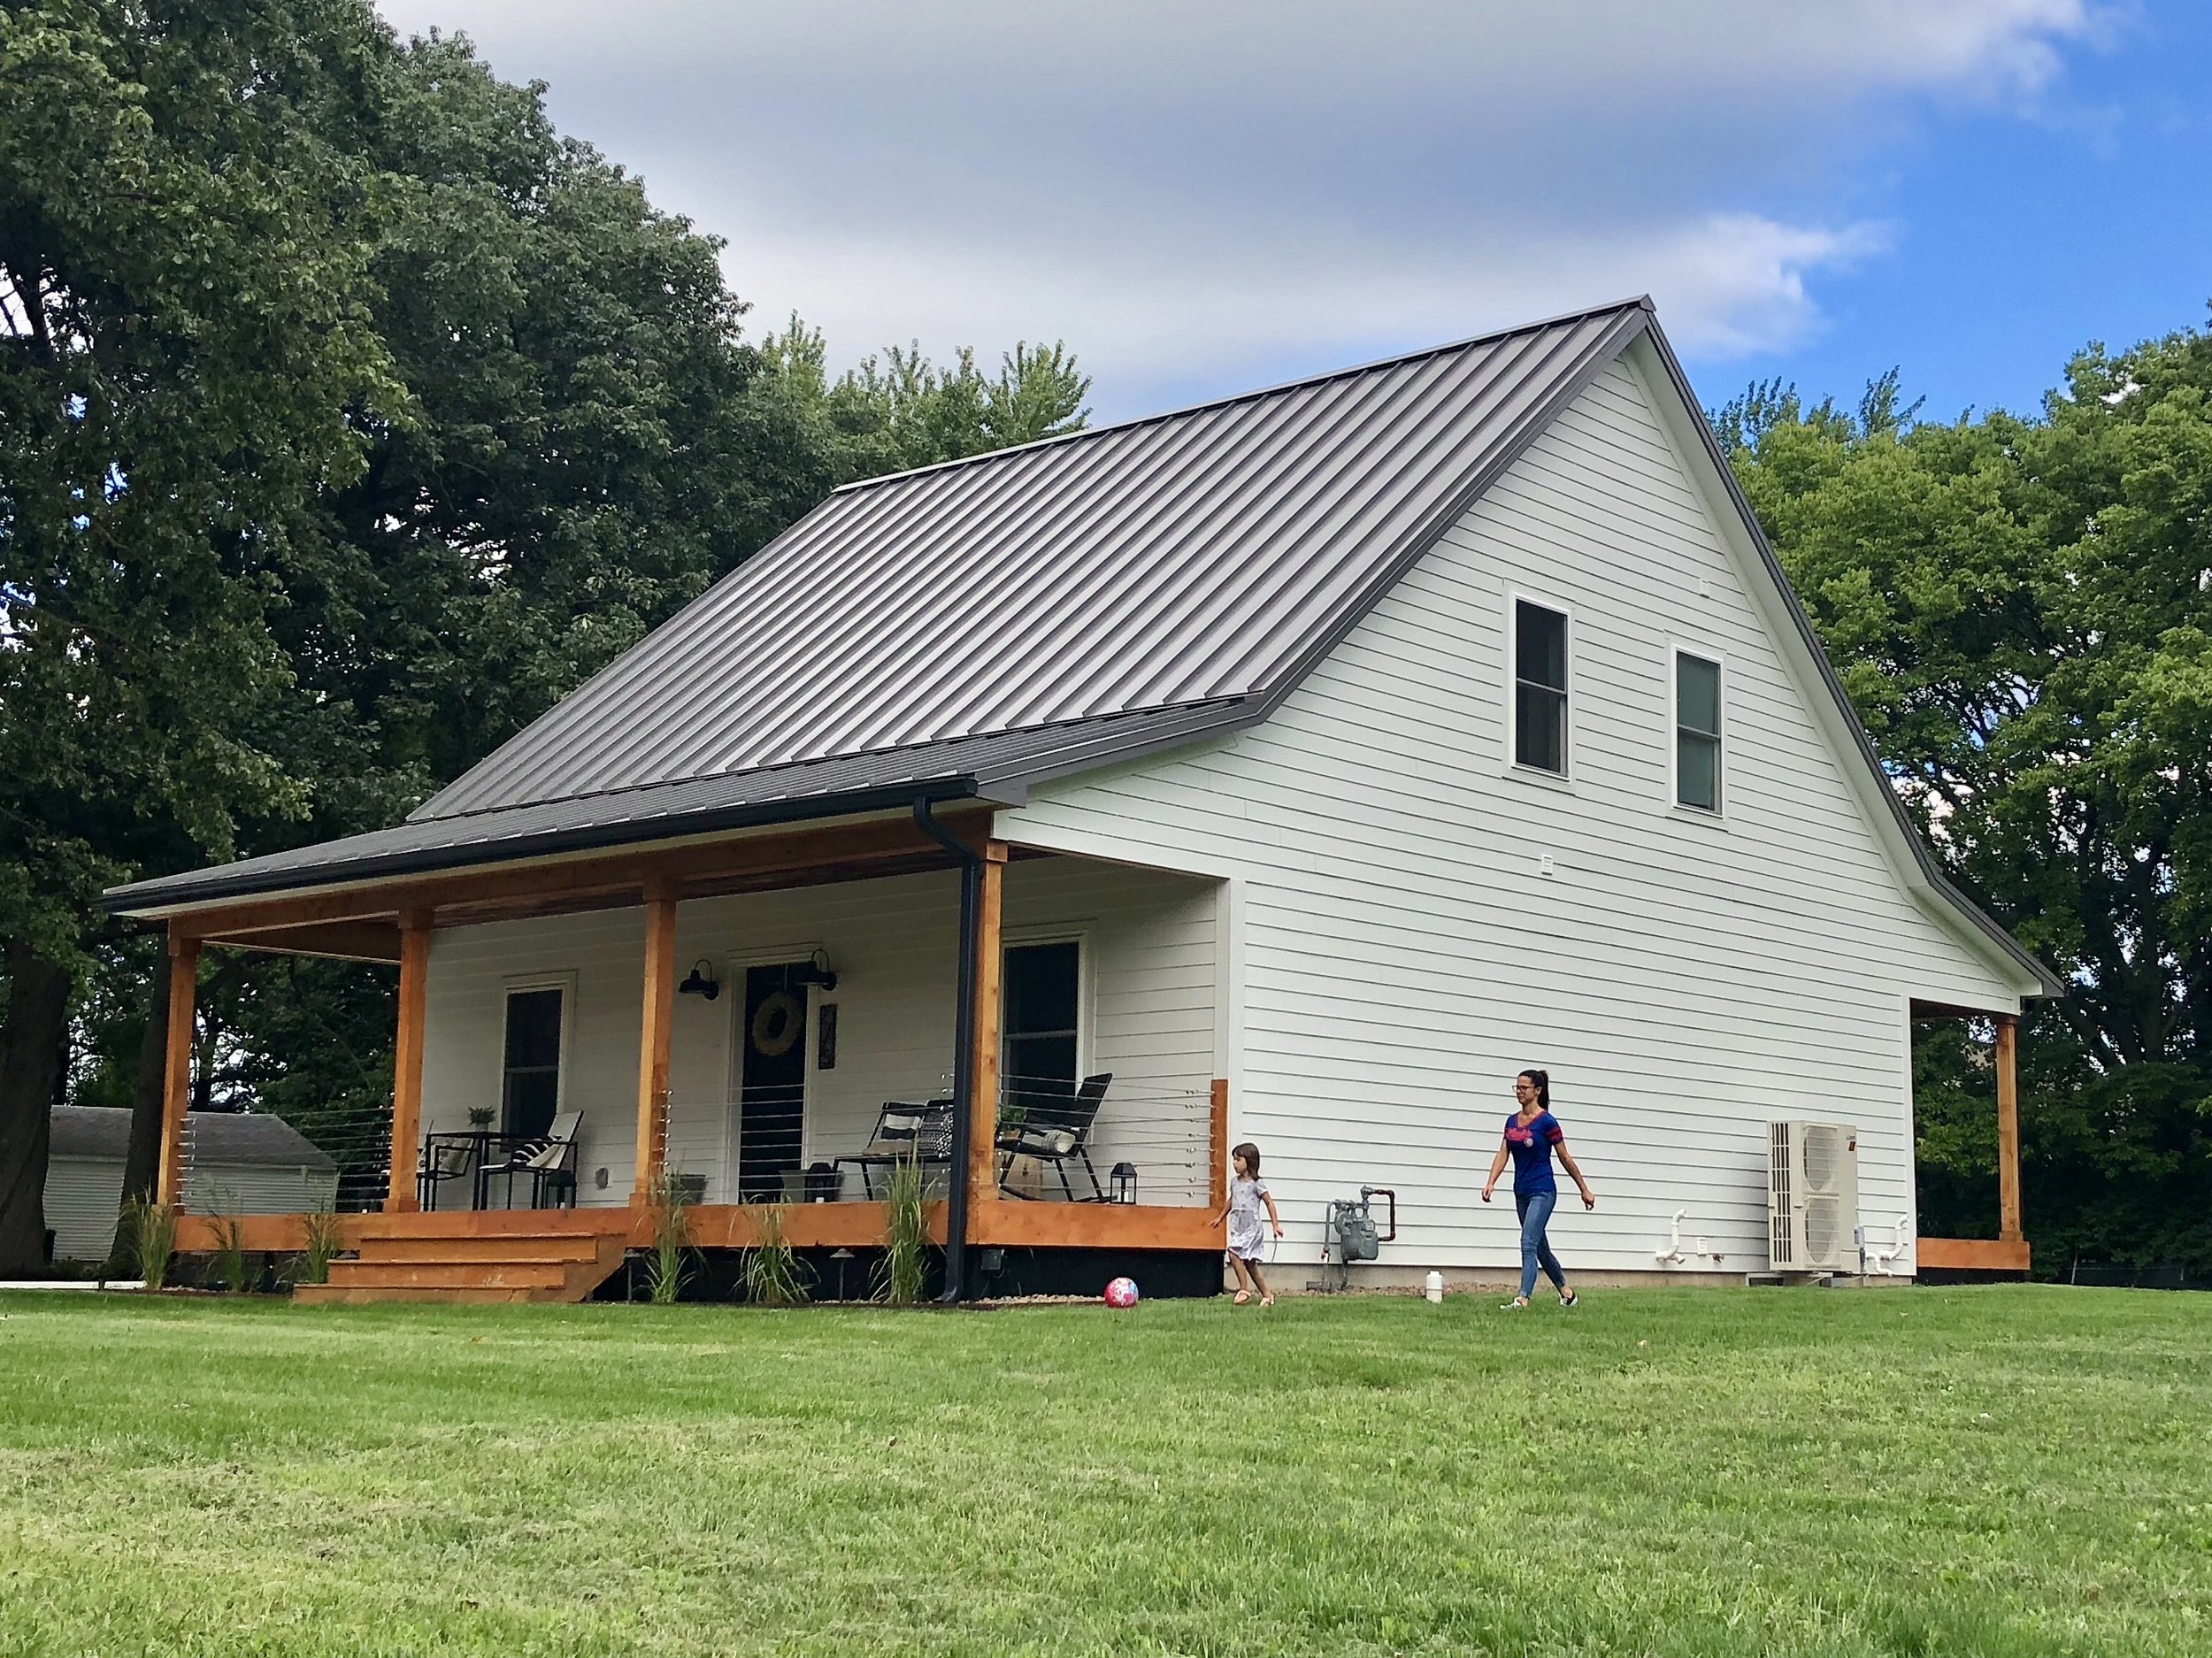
[{"x": 1531, "y": 1134}]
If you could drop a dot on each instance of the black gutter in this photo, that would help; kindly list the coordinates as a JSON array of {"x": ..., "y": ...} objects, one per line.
[{"x": 963, "y": 1051}]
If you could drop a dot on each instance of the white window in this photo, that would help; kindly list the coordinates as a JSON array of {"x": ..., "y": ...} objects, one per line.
[
  {"x": 1539, "y": 687},
  {"x": 1697, "y": 731}
]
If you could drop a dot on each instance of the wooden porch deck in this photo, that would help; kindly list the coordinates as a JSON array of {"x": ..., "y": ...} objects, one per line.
[{"x": 565, "y": 1255}]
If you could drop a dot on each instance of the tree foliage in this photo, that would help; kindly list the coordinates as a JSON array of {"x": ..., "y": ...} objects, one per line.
[
  {"x": 2021, "y": 609},
  {"x": 349, "y": 416}
]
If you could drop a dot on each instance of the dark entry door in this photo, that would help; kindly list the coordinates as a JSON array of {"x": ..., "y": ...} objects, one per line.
[{"x": 772, "y": 1089}]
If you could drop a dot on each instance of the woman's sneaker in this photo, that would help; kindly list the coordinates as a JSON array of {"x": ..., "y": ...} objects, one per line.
[
  {"x": 1568, "y": 1298},
  {"x": 1515, "y": 1304}
]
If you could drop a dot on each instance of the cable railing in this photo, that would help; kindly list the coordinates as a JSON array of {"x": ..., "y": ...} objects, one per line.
[{"x": 1139, "y": 1140}]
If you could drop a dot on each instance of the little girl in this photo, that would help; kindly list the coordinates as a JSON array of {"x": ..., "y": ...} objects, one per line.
[{"x": 1247, "y": 1238}]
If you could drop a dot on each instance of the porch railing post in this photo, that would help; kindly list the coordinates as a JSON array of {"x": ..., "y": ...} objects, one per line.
[
  {"x": 652, "y": 1067},
  {"x": 176, "y": 1082},
  {"x": 2008, "y": 1128},
  {"x": 1217, "y": 1146},
  {"x": 414, "y": 1007}
]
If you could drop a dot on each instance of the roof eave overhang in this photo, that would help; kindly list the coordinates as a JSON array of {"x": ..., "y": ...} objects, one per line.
[{"x": 169, "y": 896}]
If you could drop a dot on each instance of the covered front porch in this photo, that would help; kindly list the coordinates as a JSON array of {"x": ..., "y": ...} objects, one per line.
[{"x": 766, "y": 1017}]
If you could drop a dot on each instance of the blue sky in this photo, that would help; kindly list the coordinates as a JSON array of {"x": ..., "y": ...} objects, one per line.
[{"x": 1203, "y": 196}]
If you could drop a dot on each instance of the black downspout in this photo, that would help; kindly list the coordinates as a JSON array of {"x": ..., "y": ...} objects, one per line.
[{"x": 964, "y": 1053}]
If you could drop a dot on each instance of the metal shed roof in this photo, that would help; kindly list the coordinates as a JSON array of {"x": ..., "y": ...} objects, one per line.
[{"x": 252, "y": 1138}]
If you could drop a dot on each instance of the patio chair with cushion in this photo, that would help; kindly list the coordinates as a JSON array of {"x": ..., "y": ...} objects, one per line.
[
  {"x": 1056, "y": 1132},
  {"x": 549, "y": 1162},
  {"x": 903, "y": 1129}
]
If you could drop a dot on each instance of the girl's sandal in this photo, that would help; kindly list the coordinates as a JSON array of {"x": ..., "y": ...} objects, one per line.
[
  {"x": 1267, "y": 1301},
  {"x": 1242, "y": 1296}
]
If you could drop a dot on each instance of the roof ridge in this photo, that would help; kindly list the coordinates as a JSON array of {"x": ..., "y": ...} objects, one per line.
[{"x": 1642, "y": 301}]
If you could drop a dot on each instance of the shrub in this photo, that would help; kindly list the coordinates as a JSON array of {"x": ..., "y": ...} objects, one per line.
[
  {"x": 672, "y": 1236},
  {"x": 153, "y": 1237},
  {"x": 906, "y": 1235},
  {"x": 772, "y": 1275},
  {"x": 324, "y": 1246},
  {"x": 230, "y": 1254}
]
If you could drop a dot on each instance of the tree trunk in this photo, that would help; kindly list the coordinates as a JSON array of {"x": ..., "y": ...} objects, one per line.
[
  {"x": 142, "y": 1162},
  {"x": 30, "y": 1055}
]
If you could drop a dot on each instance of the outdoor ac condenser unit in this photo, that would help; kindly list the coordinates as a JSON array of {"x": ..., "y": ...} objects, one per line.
[{"x": 1812, "y": 1196}]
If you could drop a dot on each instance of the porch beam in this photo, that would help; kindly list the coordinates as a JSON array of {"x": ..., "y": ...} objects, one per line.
[
  {"x": 176, "y": 1081},
  {"x": 659, "y": 1015},
  {"x": 599, "y": 881},
  {"x": 2008, "y": 1128},
  {"x": 414, "y": 1008},
  {"x": 983, "y": 1064}
]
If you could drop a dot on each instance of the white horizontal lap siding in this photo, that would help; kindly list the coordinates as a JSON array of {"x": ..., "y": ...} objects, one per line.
[
  {"x": 83, "y": 1196},
  {"x": 894, "y": 944},
  {"x": 1685, "y": 981},
  {"x": 1150, "y": 979},
  {"x": 218, "y": 1188}
]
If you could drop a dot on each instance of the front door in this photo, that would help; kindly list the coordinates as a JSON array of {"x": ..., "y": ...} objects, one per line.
[{"x": 772, "y": 1092}]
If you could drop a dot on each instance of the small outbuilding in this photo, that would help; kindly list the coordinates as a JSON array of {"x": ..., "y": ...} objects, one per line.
[{"x": 244, "y": 1163}]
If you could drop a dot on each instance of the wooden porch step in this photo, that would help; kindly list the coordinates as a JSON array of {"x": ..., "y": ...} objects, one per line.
[
  {"x": 533, "y": 1250},
  {"x": 519, "y": 1256},
  {"x": 450, "y": 1275},
  {"x": 361, "y": 1295}
]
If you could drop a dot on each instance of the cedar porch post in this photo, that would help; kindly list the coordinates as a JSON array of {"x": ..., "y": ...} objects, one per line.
[
  {"x": 414, "y": 1006},
  {"x": 2008, "y": 1129},
  {"x": 176, "y": 1085},
  {"x": 652, "y": 1065},
  {"x": 1217, "y": 1143},
  {"x": 983, "y": 1064}
]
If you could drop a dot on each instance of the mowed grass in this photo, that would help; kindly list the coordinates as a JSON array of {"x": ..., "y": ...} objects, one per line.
[{"x": 2005, "y": 1471}]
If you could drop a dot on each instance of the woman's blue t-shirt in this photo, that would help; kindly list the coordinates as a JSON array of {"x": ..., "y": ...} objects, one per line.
[{"x": 1531, "y": 1144}]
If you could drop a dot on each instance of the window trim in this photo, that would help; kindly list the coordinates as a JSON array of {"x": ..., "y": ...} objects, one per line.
[
  {"x": 1514, "y": 597},
  {"x": 1719, "y": 812},
  {"x": 521, "y": 984}
]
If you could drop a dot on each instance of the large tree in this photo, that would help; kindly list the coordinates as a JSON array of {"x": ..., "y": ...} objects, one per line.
[
  {"x": 184, "y": 238},
  {"x": 533, "y": 429},
  {"x": 2021, "y": 609}
]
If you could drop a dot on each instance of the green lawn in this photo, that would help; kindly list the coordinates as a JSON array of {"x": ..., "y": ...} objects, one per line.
[{"x": 1927, "y": 1472}]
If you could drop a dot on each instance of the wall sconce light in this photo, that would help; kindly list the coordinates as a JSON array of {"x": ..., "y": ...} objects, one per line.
[
  {"x": 817, "y": 972},
  {"x": 701, "y": 982}
]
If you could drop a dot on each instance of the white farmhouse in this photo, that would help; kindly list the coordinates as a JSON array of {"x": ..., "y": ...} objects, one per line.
[{"x": 1295, "y": 768}]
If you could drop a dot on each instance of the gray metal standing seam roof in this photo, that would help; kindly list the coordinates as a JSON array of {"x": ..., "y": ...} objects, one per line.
[
  {"x": 971, "y": 628},
  {"x": 1181, "y": 559}
]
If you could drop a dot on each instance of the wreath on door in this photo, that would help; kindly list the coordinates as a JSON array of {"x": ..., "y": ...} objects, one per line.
[{"x": 777, "y": 1022}]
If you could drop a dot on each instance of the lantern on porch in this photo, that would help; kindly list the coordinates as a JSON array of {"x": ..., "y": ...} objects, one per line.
[{"x": 1124, "y": 1180}]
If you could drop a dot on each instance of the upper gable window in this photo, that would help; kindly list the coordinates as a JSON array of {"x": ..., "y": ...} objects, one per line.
[
  {"x": 1697, "y": 737},
  {"x": 1539, "y": 687}
]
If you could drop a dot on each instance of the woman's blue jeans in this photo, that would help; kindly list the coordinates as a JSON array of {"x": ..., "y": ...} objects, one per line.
[{"x": 1534, "y": 1209}]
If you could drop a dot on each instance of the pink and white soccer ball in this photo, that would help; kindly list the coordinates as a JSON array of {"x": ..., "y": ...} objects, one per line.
[{"x": 1122, "y": 1292}]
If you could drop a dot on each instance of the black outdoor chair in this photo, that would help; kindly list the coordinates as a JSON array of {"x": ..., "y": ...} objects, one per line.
[
  {"x": 549, "y": 1162},
  {"x": 1056, "y": 1131},
  {"x": 446, "y": 1157},
  {"x": 903, "y": 1129}
]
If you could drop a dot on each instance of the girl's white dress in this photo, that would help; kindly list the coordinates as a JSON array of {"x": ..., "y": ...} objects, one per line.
[{"x": 1248, "y": 1219}]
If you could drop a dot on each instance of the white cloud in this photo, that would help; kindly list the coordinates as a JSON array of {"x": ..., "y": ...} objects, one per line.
[{"x": 1194, "y": 196}]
